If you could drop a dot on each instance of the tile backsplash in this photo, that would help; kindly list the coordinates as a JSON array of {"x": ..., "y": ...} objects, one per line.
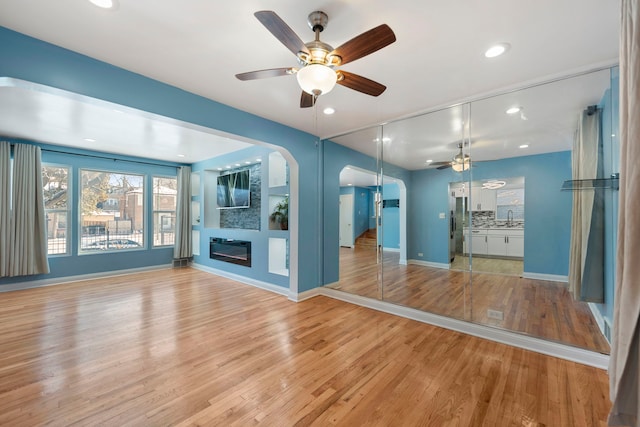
[{"x": 488, "y": 219}]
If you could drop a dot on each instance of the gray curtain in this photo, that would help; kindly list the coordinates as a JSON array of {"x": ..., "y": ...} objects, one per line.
[
  {"x": 586, "y": 257},
  {"x": 624, "y": 369},
  {"x": 183, "y": 245},
  {"x": 27, "y": 243},
  {"x": 5, "y": 212}
]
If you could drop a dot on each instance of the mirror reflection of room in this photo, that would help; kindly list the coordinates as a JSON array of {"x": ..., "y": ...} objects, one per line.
[{"x": 488, "y": 224}]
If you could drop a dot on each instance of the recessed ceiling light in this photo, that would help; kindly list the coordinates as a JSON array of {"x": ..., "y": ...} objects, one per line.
[
  {"x": 219, "y": 169},
  {"x": 180, "y": 155},
  {"x": 429, "y": 161},
  {"x": 258, "y": 160},
  {"x": 90, "y": 140},
  {"x": 329, "y": 110},
  {"x": 514, "y": 110},
  {"x": 228, "y": 167},
  {"x": 349, "y": 184},
  {"x": 497, "y": 50},
  {"x": 386, "y": 139},
  {"x": 524, "y": 146},
  {"x": 247, "y": 162},
  {"x": 105, "y": 4},
  {"x": 237, "y": 164}
]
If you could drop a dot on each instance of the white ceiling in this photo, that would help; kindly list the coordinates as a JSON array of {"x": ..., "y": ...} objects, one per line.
[{"x": 199, "y": 46}]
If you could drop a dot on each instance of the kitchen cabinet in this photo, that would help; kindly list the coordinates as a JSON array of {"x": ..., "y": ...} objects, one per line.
[
  {"x": 495, "y": 242},
  {"x": 478, "y": 240},
  {"x": 506, "y": 243},
  {"x": 461, "y": 191},
  {"x": 482, "y": 199}
]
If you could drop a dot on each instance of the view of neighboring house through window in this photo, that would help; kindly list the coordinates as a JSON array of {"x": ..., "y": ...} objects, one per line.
[
  {"x": 55, "y": 183},
  {"x": 111, "y": 210},
  {"x": 164, "y": 210}
]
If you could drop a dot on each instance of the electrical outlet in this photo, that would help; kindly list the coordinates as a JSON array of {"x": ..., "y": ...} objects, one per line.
[
  {"x": 495, "y": 314},
  {"x": 420, "y": 254}
]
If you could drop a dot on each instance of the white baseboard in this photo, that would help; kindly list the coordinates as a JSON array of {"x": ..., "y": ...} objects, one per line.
[
  {"x": 78, "y": 278},
  {"x": 429, "y": 263},
  {"x": 242, "y": 279},
  {"x": 391, "y": 249},
  {"x": 600, "y": 320},
  {"x": 548, "y": 277},
  {"x": 538, "y": 345},
  {"x": 305, "y": 295}
]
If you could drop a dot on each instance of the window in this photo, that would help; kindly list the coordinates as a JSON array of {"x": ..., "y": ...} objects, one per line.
[
  {"x": 110, "y": 217},
  {"x": 55, "y": 183},
  {"x": 164, "y": 210}
]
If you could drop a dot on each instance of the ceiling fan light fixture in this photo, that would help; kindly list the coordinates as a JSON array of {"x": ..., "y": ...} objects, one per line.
[
  {"x": 461, "y": 166},
  {"x": 317, "y": 79}
]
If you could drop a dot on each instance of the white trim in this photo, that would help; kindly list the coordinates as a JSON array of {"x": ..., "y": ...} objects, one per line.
[
  {"x": 598, "y": 317},
  {"x": 429, "y": 264},
  {"x": 391, "y": 249},
  {"x": 242, "y": 279},
  {"x": 402, "y": 261},
  {"x": 305, "y": 295},
  {"x": 514, "y": 339},
  {"x": 548, "y": 277},
  {"x": 79, "y": 278}
]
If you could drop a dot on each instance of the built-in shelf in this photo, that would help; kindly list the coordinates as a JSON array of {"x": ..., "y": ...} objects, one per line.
[
  {"x": 591, "y": 184},
  {"x": 278, "y": 256},
  {"x": 195, "y": 242},
  {"x": 277, "y": 170}
]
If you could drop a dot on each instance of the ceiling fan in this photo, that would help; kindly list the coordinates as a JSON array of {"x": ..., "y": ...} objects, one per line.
[
  {"x": 318, "y": 61},
  {"x": 460, "y": 162}
]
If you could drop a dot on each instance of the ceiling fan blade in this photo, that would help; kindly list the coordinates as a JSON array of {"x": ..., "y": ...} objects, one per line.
[
  {"x": 307, "y": 100},
  {"x": 281, "y": 31},
  {"x": 263, "y": 74},
  {"x": 448, "y": 165},
  {"x": 361, "y": 84},
  {"x": 365, "y": 44}
]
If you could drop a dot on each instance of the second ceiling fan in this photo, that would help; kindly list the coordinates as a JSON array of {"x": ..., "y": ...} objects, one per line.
[{"x": 318, "y": 61}]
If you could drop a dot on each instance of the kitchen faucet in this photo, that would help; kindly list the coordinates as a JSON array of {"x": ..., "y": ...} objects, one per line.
[{"x": 509, "y": 218}]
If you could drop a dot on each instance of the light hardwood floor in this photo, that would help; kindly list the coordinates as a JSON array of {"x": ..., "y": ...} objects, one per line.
[
  {"x": 183, "y": 347},
  {"x": 535, "y": 307}
]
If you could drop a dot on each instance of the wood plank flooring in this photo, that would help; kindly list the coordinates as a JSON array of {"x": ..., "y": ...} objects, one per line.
[
  {"x": 535, "y": 307},
  {"x": 183, "y": 347}
]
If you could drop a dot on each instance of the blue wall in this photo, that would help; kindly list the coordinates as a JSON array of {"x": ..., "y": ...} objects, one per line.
[
  {"x": 391, "y": 218},
  {"x": 547, "y": 210},
  {"x": 74, "y": 264},
  {"x": 361, "y": 206},
  {"x": 35, "y": 61}
]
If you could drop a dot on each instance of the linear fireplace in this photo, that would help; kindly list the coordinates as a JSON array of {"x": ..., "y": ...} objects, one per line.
[{"x": 230, "y": 250}]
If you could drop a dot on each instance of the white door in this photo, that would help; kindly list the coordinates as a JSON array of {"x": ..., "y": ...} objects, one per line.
[{"x": 346, "y": 220}]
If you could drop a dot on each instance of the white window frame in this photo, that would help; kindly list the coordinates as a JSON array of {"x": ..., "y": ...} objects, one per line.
[
  {"x": 154, "y": 211},
  {"x": 69, "y": 221},
  {"x": 145, "y": 225}
]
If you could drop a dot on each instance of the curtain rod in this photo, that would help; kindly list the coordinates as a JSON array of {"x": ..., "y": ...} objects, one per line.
[{"x": 100, "y": 157}]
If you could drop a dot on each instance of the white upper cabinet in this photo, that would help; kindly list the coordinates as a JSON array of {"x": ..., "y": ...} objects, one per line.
[{"x": 482, "y": 199}]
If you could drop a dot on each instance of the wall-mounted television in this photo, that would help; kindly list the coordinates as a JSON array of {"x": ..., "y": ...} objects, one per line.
[{"x": 233, "y": 190}]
